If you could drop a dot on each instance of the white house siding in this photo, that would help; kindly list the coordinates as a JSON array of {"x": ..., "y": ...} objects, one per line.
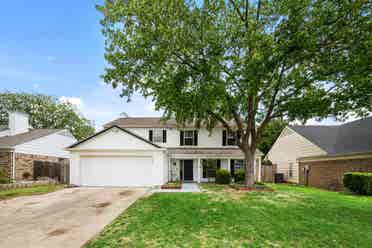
[
  {"x": 288, "y": 148},
  {"x": 205, "y": 139},
  {"x": 115, "y": 139},
  {"x": 52, "y": 145},
  {"x": 116, "y": 143}
]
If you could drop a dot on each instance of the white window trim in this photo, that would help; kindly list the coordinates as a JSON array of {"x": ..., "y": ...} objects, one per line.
[
  {"x": 231, "y": 136},
  {"x": 188, "y": 138}
]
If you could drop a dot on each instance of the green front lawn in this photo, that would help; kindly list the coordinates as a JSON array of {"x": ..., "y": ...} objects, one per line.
[
  {"x": 36, "y": 190},
  {"x": 220, "y": 217}
]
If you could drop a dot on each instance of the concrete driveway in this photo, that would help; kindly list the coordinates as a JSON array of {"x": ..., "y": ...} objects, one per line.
[{"x": 65, "y": 218}]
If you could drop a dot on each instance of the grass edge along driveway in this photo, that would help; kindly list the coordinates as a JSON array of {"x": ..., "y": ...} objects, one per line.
[
  {"x": 34, "y": 190},
  {"x": 292, "y": 216}
]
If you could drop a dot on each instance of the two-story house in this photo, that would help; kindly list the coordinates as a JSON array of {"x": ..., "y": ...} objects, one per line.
[{"x": 147, "y": 151}]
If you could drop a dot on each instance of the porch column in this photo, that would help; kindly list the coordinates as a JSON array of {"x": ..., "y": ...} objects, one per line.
[
  {"x": 169, "y": 169},
  {"x": 229, "y": 164},
  {"x": 199, "y": 171}
]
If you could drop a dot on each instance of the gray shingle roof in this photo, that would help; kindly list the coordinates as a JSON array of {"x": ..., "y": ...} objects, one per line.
[
  {"x": 352, "y": 137},
  {"x": 147, "y": 122},
  {"x": 10, "y": 141},
  {"x": 155, "y": 122}
]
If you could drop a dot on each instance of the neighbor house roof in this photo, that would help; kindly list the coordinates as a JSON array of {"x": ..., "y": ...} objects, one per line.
[
  {"x": 352, "y": 137},
  {"x": 10, "y": 141},
  {"x": 148, "y": 122}
]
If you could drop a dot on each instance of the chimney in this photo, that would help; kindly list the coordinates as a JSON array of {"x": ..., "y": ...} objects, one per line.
[{"x": 18, "y": 123}]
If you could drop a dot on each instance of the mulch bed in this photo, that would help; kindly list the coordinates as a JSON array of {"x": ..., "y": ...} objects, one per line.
[
  {"x": 172, "y": 185},
  {"x": 165, "y": 186},
  {"x": 252, "y": 189}
]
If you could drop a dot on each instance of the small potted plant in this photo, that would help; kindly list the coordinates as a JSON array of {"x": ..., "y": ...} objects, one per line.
[
  {"x": 26, "y": 175},
  {"x": 172, "y": 185}
]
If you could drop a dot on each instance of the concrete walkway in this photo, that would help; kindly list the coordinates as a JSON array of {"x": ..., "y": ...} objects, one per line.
[{"x": 186, "y": 187}]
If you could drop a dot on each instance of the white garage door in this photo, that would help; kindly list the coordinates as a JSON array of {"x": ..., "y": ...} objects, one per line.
[{"x": 117, "y": 171}]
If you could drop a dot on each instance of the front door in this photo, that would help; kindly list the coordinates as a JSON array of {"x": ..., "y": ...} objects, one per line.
[{"x": 188, "y": 174}]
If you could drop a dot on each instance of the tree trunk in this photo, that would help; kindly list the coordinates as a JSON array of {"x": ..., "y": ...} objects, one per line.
[{"x": 249, "y": 168}]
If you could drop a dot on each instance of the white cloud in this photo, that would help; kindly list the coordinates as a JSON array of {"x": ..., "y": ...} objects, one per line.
[
  {"x": 103, "y": 104},
  {"x": 36, "y": 86},
  {"x": 51, "y": 59},
  {"x": 78, "y": 102}
]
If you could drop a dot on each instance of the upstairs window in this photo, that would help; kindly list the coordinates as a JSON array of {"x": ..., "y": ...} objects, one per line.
[
  {"x": 230, "y": 138},
  {"x": 158, "y": 135},
  {"x": 189, "y": 138}
]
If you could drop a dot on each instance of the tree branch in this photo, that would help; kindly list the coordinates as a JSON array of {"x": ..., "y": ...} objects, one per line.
[
  {"x": 238, "y": 10},
  {"x": 258, "y": 10},
  {"x": 246, "y": 9},
  {"x": 220, "y": 119}
]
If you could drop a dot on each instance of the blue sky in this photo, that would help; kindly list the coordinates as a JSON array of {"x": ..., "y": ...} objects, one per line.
[{"x": 56, "y": 48}]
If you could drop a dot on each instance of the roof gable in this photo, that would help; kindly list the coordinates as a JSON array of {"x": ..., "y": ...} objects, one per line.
[
  {"x": 351, "y": 137},
  {"x": 114, "y": 138},
  {"x": 11, "y": 141}
]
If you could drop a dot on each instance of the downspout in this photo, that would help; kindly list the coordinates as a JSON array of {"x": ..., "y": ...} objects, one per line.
[{"x": 13, "y": 165}]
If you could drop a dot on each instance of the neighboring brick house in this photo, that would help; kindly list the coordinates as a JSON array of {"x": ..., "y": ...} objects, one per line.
[
  {"x": 21, "y": 147},
  {"x": 320, "y": 155}
]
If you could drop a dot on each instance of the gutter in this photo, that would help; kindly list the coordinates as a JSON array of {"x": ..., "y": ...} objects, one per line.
[{"x": 354, "y": 155}]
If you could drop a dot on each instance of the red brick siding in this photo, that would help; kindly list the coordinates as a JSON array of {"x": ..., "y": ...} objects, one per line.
[{"x": 329, "y": 174}]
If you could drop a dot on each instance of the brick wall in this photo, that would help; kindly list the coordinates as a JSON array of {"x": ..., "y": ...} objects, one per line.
[
  {"x": 25, "y": 163},
  {"x": 329, "y": 174},
  {"x": 5, "y": 162}
]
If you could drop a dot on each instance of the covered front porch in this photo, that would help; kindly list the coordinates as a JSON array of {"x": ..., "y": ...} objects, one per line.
[{"x": 201, "y": 166}]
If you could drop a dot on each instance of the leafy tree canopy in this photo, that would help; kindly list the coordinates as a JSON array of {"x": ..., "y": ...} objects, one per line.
[
  {"x": 270, "y": 135},
  {"x": 242, "y": 60},
  {"x": 45, "y": 112}
]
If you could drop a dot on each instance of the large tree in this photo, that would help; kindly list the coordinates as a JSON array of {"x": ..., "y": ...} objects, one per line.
[
  {"x": 270, "y": 135},
  {"x": 241, "y": 63},
  {"x": 45, "y": 112}
]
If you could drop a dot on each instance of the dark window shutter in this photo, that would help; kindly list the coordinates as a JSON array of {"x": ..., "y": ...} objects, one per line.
[
  {"x": 164, "y": 136},
  {"x": 238, "y": 135},
  {"x": 150, "y": 135},
  {"x": 195, "y": 137},
  {"x": 224, "y": 137},
  {"x": 218, "y": 164},
  {"x": 181, "y": 138},
  {"x": 232, "y": 167}
]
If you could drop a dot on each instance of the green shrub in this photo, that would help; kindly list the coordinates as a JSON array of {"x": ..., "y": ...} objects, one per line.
[
  {"x": 223, "y": 176},
  {"x": 26, "y": 175},
  {"x": 3, "y": 176},
  {"x": 358, "y": 182},
  {"x": 239, "y": 176}
]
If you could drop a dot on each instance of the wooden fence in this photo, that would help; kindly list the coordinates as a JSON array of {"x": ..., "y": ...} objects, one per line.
[
  {"x": 268, "y": 173},
  {"x": 57, "y": 171}
]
